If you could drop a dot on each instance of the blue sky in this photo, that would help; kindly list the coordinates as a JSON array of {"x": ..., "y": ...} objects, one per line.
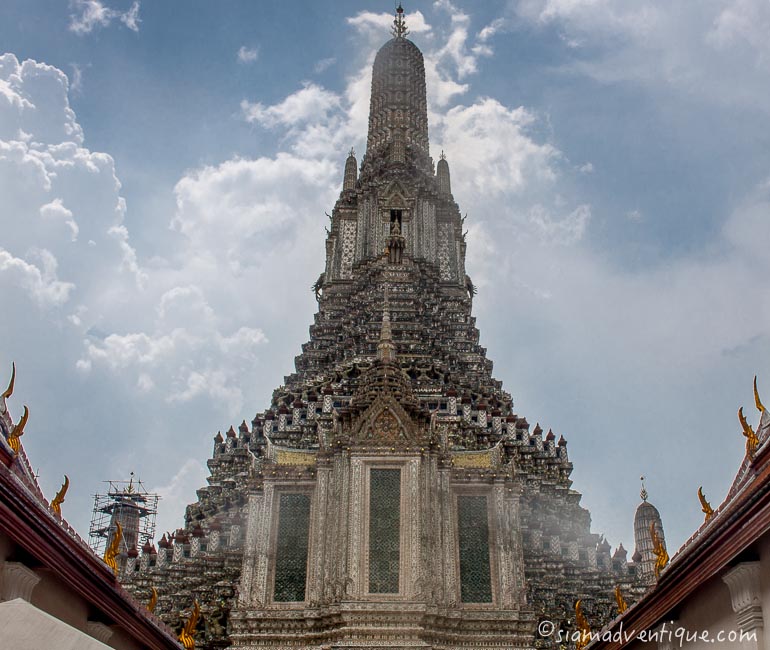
[{"x": 165, "y": 168}]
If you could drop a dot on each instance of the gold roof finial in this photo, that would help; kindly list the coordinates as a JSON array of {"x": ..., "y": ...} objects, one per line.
[
  {"x": 18, "y": 431},
  {"x": 399, "y": 26},
  {"x": 153, "y": 600},
  {"x": 757, "y": 401},
  {"x": 113, "y": 548},
  {"x": 621, "y": 602},
  {"x": 9, "y": 391},
  {"x": 59, "y": 498},
  {"x": 661, "y": 554},
  {"x": 643, "y": 491},
  {"x": 705, "y": 505},
  {"x": 751, "y": 438},
  {"x": 581, "y": 623},
  {"x": 187, "y": 635}
]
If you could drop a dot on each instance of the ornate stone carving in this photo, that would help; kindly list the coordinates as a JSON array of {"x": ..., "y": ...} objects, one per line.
[
  {"x": 743, "y": 581},
  {"x": 18, "y": 581}
]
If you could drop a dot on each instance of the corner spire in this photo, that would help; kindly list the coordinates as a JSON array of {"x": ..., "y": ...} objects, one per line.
[{"x": 399, "y": 25}]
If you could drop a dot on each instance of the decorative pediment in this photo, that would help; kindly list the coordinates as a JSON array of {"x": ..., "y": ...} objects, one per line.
[
  {"x": 395, "y": 196},
  {"x": 386, "y": 423}
]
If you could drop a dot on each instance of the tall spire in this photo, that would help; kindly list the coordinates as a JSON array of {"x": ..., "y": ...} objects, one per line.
[{"x": 398, "y": 102}]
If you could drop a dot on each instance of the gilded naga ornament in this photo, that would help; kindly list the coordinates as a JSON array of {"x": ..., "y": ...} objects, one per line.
[
  {"x": 661, "y": 555},
  {"x": 621, "y": 602},
  {"x": 9, "y": 391},
  {"x": 752, "y": 441},
  {"x": 59, "y": 498},
  {"x": 187, "y": 635},
  {"x": 18, "y": 431},
  {"x": 757, "y": 401},
  {"x": 705, "y": 505},
  {"x": 153, "y": 600},
  {"x": 582, "y": 626},
  {"x": 113, "y": 548}
]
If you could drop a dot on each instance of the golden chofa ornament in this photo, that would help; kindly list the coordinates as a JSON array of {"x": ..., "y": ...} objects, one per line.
[
  {"x": 18, "y": 431},
  {"x": 751, "y": 438},
  {"x": 187, "y": 635},
  {"x": 619, "y": 600},
  {"x": 59, "y": 498},
  {"x": 757, "y": 401},
  {"x": 582, "y": 626},
  {"x": 661, "y": 554},
  {"x": 9, "y": 391},
  {"x": 705, "y": 506},
  {"x": 113, "y": 548}
]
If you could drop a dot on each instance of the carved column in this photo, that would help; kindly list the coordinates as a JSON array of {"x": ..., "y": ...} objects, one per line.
[
  {"x": 18, "y": 581},
  {"x": 448, "y": 550},
  {"x": 743, "y": 581},
  {"x": 318, "y": 548},
  {"x": 254, "y": 574},
  {"x": 355, "y": 527},
  {"x": 506, "y": 546}
]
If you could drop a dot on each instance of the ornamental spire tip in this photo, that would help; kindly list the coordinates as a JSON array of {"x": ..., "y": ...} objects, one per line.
[{"x": 399, "y": 25}]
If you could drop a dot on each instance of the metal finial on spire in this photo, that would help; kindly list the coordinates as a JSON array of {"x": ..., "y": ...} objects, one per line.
[
  {"x": 399, "y": 25},
  {"x": 643, "y": 491},
  {"x": 443, "y": 155},
  {"x": 352, "y": 153}
]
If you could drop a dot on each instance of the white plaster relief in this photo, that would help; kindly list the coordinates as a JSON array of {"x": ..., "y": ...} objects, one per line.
[{"x": 18, "y": 581}]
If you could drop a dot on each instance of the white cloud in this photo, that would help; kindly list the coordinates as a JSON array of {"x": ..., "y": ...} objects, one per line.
[
  {"x": 40, "y": 281},
  {"x": 130, "y": 18},
  {"x": 378, "y": 24},
  {"x": 56, "y": 210},
  {"x": 177, "y": 494},
  {"x": 490, "y": 30},
  {"x": 311, "y": 103},
  {"x": 495, "y": 154},
  {"x": 91, "y": 14},
  {"x": 718, "y": 53},
  {"x": 76, "y": 81},
  {"x": 247, "y": 54}
]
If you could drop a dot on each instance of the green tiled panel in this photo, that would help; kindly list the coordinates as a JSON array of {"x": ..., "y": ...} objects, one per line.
[
  {"x": 291, "y": 548},
  {"x": 384, "y": 530},
  {"x": 473, "y": 528}
]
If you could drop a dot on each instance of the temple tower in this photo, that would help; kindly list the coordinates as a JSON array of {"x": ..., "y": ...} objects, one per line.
[
  {"x": 647, "y": 515},
  {"x": 390, "y": 496}
]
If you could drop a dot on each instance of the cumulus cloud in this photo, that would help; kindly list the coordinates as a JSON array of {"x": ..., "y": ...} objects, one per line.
[
  {"x": 39, "y": 280},
  {"x": 89, "y": 15},
  {"x": 312, "y": 102}
]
